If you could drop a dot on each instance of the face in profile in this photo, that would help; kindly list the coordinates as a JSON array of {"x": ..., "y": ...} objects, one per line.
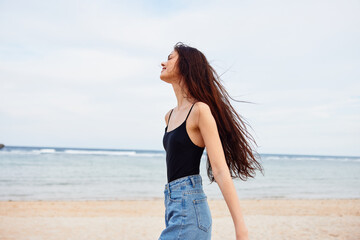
[{"x": 169, "y": 70}]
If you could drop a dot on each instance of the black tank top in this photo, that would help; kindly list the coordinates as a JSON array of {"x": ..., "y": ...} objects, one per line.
[{"x": 182, "y": 155}]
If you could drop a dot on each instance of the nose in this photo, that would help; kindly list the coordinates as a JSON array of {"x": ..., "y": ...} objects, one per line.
[{"x": 163, "y": 64}]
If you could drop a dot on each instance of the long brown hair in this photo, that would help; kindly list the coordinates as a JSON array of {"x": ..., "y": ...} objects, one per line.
[{"x": 204, "y": 84}]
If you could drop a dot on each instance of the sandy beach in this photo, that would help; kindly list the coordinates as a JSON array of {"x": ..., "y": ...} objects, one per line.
[{"x": 143, "y": 219}]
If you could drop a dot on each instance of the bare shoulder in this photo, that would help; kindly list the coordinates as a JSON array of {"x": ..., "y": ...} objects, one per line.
[
  {"x": 202, "y": 106},
  {"x": 167, "y": 116},
  {"x": 202, "y": 112},
  {"x": 206, "y": 120},
  {"x": 203, "y": 109}
]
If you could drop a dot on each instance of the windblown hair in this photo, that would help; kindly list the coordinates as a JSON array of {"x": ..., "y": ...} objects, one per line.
[{"x": 204, "y": 84}]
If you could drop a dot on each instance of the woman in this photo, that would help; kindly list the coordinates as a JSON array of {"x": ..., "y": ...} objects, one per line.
[{"x": 214, "y": 124}]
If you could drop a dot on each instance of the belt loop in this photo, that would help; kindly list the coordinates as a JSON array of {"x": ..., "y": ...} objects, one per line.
[{"x": 192, "y": 181}]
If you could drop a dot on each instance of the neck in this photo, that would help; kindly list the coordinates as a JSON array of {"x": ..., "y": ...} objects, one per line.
[{"x": 183, "y": 98}]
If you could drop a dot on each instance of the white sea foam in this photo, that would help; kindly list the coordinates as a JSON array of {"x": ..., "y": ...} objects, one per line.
[
  {"x": 150, "y": 154},
  {"x": 44, "y": 150},
  {"x": 311, "y": 158},
  {"x": 89, "y": 152},
  {"x": 83, "y": 152}
]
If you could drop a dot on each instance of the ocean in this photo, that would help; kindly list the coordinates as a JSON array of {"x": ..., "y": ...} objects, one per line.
[{"x": 49, "y": 173}]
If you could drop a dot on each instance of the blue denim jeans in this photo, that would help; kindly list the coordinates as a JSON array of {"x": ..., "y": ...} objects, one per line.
[{"x": 187, "y": 213}]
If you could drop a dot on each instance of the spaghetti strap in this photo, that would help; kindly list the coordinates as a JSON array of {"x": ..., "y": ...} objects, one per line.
[
  {"x": 169, "y": 117},
  {"x": 189, "y": 111}
]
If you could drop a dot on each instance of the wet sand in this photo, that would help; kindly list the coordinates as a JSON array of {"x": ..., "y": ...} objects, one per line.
[{"x": 144, "y": 219}]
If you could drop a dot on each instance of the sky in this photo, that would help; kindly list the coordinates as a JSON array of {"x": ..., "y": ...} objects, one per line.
[{"x": 86, "y": 73}]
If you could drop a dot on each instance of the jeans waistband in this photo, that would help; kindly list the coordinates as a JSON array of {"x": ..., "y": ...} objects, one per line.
[{"x": 188, "y": 180}]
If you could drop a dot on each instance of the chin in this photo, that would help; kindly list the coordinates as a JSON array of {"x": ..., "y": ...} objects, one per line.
[
  {"x": 165, "y": 79},
  {"x": 162, "y": 78}
]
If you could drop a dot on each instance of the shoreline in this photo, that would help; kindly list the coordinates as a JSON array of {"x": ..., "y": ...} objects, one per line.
[{"x": 144, "y": 219}]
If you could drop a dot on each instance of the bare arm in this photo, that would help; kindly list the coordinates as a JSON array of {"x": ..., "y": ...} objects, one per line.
[{"x": 209, "y": 132}]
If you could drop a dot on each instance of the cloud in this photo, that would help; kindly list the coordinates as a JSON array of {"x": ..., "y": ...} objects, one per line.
[{"x": 93, "y": 67}]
